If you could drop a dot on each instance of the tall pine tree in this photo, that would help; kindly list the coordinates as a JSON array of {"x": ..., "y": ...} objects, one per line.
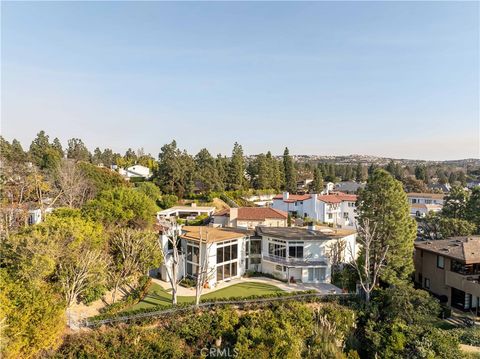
[
  {"x": 290, "y": 172},
  {"x": 384, "y": 204}
]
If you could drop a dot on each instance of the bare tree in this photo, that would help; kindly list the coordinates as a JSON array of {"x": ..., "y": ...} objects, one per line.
[
  {"x": 75, "y": 275},
  {"x": 133, "y": 253},
  {"x": 72, "y": 184},
  {"x": 204, "y": 273},
  {"x": 370, "y": 264},
  {"x": 337, "y": 252},
  {"x": 171, "y": 255}
]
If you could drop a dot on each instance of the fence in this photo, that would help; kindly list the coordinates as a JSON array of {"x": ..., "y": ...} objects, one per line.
[{"x": 126, "y": 318}]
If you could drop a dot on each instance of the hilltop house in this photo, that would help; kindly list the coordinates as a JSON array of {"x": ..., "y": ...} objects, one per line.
[
  {"x": 335, "y": 208},
  {"x": 287, "y": 253},
  {"x": 188, "y": 212},
  {"x": 250, "y": 217},
  {"x": 136, "y": 171},
  {"x": 450, "y": 269},
  {"x": 422, "y": 203}
]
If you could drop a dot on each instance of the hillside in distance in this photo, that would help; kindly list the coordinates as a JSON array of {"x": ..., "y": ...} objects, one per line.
[{"x": 382, "y": 161}]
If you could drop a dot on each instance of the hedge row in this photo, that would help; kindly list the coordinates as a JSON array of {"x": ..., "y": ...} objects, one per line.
[{"x": 231, "y": 300}]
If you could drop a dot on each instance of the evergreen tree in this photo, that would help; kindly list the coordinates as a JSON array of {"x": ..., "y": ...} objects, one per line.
[
  {"x": 221, "y": 164},
  {"x": 317, "y": 184},
  {"x": 384, "y": 204},
  {"x": 43, "y": 154},
  {"x": 472, "y": 212},
  {"x": 421, "y": 173},
  {"x": 455, "y": 203},
  {"x": 174, "y": 174},
  {"x": 206, "y": 172},
  {"x": 57, "y": 145},
  {"x": 236, "y": 170},
  {"x": 290, "y": 173},
  {"x": 77, "y": 150},
  {"x": 360, "y": 174}
]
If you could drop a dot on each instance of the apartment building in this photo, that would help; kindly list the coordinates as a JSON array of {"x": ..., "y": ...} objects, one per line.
[{"x": 450, "y": 269}]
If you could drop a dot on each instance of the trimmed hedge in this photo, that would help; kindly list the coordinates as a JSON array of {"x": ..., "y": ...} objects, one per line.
[{"x": 344, "y": 299}]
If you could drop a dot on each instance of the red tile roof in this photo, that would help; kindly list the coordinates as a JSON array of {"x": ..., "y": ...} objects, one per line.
[{"x": 337, "y": 197}]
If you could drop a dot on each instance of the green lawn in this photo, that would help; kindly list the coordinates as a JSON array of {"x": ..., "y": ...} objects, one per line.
[{"x": 159, "y": 296}]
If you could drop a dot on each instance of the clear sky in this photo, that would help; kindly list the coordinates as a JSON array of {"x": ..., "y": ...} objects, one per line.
[{"x": 397, "y": 79}]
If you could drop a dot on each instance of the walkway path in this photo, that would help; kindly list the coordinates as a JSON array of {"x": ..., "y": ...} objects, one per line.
[{"x": 323, "y": 288}]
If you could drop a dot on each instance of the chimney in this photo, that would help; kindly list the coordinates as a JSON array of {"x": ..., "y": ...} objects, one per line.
[
  {"x": 233, "y": 217},
  {"x": 286, "y": 195}
]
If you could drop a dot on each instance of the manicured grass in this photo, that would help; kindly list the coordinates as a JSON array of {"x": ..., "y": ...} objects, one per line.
[{"x": 159, "y": 296}]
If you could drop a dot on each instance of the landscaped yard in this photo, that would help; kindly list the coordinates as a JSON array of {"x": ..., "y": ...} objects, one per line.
[{"x": 159, "y": 296}]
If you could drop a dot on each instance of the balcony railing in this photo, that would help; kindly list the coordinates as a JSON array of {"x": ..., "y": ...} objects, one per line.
[
  {"x": 467, "y": 283},
  {"x": 296, "y": 262}
]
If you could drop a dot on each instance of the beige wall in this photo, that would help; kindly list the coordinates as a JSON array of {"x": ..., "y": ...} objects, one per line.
[
  {"x": 427, "y": 266},
  {"x": 252, "y": 224}
]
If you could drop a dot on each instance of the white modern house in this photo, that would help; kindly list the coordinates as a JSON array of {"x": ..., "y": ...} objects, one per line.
[
  {"x": 250, "y": 217},
  {"x": 304, "y": 254},
  {"x": 224, "y": 249},
  {"x": 422, "y": 203},
  {"x": 189, "y": 212},
  {"x": 300, "y": 254},
  {"x": 336, "y": 208},
  {"x": 138, "y": 171}
]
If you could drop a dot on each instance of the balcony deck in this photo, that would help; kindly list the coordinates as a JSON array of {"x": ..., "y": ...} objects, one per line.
[{"x": 296, "y": 262}]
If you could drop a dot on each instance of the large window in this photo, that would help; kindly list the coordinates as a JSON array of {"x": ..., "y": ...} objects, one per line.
[
  {"x": 441, "y": 262},
  {"x": 192, "y": 259},
  {"x": 277, "y": 248},
  {"x": 227, "y": 260},
  {"x": 255, "y": 246},
  {"x": 192, "y": 253},
  {"x": 295, "y": 250}
]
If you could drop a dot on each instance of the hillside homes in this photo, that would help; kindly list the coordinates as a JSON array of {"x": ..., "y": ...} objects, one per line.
[
  {"x": 297, "y": 254},
  {"x": 335, "y": 208},
  {"x": 422, "y": 203},
  {"x": 250, "y": 217}
]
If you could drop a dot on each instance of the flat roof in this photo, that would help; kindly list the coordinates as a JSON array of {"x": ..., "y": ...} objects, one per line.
[
  {"x": 301, "y": 233},
  {"x": 211, "y": 234},
  {"x": 426, "y": 195},
  {"x": 465, "y": 249},
  {"x": 186, "y": 209}
]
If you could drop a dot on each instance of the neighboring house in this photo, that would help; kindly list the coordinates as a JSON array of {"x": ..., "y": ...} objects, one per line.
[
  {"x": 188, "y": 212},
  {"x": 450, "y": 269},
  {"x": 336, "y": 208},
  {"x": 250, "y": 217},
  {"x": 422, "y": 203},
  {"x": 35, "y": 215},
  {"x": 442, "y": 187},
  {"x": 302, "y": 254},
  {"x": 137, "y": 171},
  {"x": 349, "y": 187}
]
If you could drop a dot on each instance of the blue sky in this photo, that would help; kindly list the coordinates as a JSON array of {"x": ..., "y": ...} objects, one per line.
[{"x": 382, "y": 78}]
